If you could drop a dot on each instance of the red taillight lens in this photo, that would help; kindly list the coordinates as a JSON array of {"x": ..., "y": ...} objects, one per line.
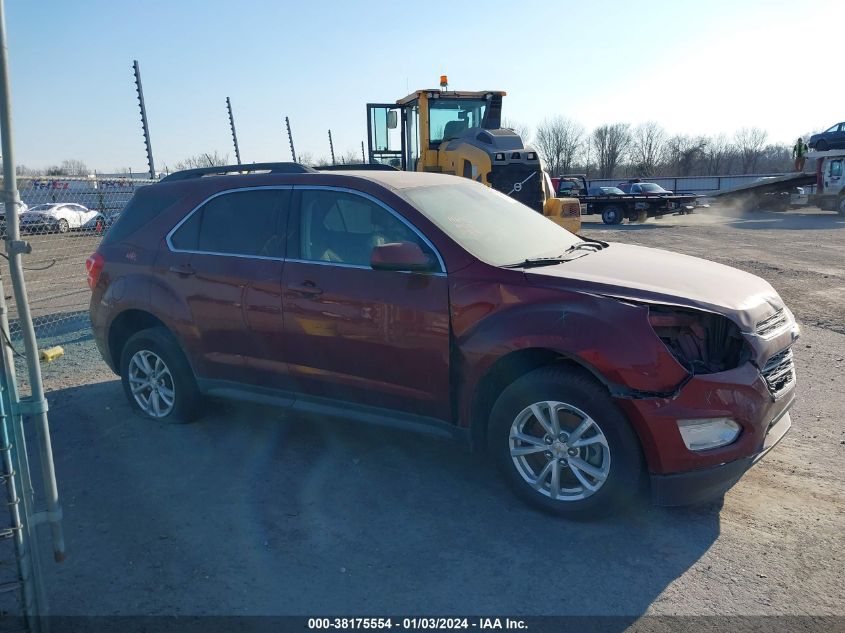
[{"x": 94, "y": 266}]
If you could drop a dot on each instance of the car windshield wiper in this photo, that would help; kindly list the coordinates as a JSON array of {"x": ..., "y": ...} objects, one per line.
[
  {"x": 539, "y": 261},
  {"x": 592, "y": 241},
  {"x": 587, "y": 246}
]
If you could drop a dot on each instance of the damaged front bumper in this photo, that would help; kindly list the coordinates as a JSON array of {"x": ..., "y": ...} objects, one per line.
[
  {"x": 706, "y": 484},
  {"x": 680, "y": 476}
]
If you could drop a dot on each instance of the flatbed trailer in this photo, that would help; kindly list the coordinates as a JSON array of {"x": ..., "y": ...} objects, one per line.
[
  {"x": 633, "y": 207},
  {"x": 771, "y": 192}
]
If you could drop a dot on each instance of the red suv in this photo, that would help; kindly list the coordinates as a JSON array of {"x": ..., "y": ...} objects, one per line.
[{"x": 589, "y": 371}]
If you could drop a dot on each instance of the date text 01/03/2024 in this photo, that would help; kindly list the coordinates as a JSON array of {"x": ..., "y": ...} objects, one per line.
[{"x": 416, "y": 623}]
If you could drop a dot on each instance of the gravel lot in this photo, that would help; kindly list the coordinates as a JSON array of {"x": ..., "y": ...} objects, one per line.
[{"x": 254, "y": 511}]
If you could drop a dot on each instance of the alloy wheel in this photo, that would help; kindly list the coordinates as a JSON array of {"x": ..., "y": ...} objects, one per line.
[
  {"x": 151, "y": 383},
  {"x": 559, "y": 450}
]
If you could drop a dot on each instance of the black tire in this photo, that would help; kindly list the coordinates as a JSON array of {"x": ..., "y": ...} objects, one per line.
[
  {"x": 63, "y": 226},
  {"x": 186, "y": 400},
  {"x": 821, "y": 146},
  {"x": 642, "y": 216},
  {"x": 625, "y": 481},
  {"x": 612, "y": 214},
  {"x": 840, "y": 205}
]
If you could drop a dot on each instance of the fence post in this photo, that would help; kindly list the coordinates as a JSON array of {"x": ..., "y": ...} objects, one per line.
[
  {"x": 36, "y": 405},
  {"x": 331, "y": 147},
  {"x": 144, "y": 123},
  {"x": 290, "y": 138},
  {"x": 234, "y": 134}
]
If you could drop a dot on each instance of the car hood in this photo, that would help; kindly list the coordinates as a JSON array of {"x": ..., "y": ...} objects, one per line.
[{"x": 651, "y": 275}]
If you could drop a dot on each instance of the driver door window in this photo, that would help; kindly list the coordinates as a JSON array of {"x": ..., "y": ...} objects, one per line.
[{"x": 343, "y": 228}]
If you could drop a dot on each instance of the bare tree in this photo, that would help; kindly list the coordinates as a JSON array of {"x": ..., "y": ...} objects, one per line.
[
  {"x": 750, "y": 143},
  {"x": 558, "y": 141},
  {"x": 775, "y": 158},
  {"x": 611, "y": 143},
  {"x": 305, "y": 158},
  {"x": 523, "y": 130},
  {"x": 74, "y": 167},
  {"x": 683, "y": 153},
  {"x": 718, "y": 155},
  {"x": 647, "y": 145},
  {"x": 202, "y": 160},
  {"x": 351, "y": 157}
]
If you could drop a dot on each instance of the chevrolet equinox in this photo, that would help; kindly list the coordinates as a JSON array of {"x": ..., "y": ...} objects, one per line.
[{"x": 589, "y": 371}]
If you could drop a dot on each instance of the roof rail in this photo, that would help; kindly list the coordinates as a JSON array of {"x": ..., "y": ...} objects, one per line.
[
  {"x": 273, "y": 168},
  {"x": 357, "y": 166}
]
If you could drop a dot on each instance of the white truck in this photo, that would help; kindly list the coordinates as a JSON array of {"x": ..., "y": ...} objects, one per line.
[{"x": 829, "y": 168}]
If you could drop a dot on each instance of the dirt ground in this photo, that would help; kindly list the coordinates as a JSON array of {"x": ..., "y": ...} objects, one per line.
[{"x": 254, "y": 511}]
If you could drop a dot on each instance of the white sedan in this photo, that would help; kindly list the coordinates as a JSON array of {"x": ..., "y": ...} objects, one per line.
[{"x": 58, "y": 216}]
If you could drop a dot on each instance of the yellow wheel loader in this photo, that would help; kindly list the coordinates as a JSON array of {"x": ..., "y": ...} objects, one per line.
[{"x": 461, "y": 133}]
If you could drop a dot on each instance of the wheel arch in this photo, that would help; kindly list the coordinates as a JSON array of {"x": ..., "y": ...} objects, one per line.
[
  {"x": 124, "y": 325},
  {"x": 507, "y": 369}
]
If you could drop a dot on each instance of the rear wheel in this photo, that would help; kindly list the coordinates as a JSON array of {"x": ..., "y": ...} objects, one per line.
[
  {"x": 563, "y": 446},
  {"x": 612, "y": 215},
  {"x": 63, "y": 226},
  {"x": 821, "y": 146},
  {"x": 157, "y": 379},
  {"x": 642, "y": 216},
  {"x": 840, "y": 206}
]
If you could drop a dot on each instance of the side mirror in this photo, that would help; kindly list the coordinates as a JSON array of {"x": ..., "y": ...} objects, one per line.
[
  {"x": 402, "y": 256},
  {"x": 392, "y": 119}
]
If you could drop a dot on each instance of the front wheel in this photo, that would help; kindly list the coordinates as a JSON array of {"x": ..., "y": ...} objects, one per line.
[
  {"x": 157, "y": 379},
  {"x": 612, "y": 215},
  {"x": 63, "y": 226},
  {"x": 563, "y": 446}
]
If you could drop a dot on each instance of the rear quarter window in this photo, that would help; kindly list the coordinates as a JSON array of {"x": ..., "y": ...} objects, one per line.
[{"x": 145, "y": 205}]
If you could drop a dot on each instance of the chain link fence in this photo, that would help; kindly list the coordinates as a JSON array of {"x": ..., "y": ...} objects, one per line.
[{"x": 64, "y": 220}]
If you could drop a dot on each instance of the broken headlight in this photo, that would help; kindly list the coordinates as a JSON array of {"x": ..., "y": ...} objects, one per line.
[{"x": 703, "y": 342}]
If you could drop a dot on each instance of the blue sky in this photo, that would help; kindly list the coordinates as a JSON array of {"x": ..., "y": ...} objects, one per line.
[{"x": 697, "y": 68}]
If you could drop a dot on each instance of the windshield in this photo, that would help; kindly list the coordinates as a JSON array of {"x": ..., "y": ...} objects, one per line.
[
  {"x": 650, "y": 187},
  {"x": 491, "y": 226},
  {"x": 42, "y": 207},
  {"x": 449, "y": 118},
  {"x": 608, "y": 191}
]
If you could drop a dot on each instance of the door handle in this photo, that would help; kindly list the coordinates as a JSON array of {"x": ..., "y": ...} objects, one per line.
[
  {"x": 183, "y": 270},
  {"x": 307, "y": 289}
]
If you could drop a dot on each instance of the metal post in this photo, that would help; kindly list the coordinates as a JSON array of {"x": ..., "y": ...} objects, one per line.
[
  {"x": 144, "y": 123},
  {"x": 36, "y": 405},
  {"x": 363, "y": 155},
  {"x": 15, "y": 460},
  {"x": 234, "y": 134},
  {"x": 331, "y": 147},
  {"x": 290, "y": 138}
]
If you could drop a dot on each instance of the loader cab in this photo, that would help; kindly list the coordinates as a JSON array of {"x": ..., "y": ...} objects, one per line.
[
  {"x": 409, "y": 133},
  {"x": 458, "y": 133}
]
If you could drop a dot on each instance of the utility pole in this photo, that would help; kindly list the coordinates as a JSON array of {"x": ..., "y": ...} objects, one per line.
[
  {"x": 331, "y": 147},
  {"x": 234, "y": 134},
  {"x": 144, "y": 125},
  {"x": 290, "y": 138}
]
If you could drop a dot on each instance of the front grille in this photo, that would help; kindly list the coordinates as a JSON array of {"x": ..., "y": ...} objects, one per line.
[
  {"x": 522, "y": 181},
  {"x": 779, "y": 372},
  {"x": 772, "y": 324}
]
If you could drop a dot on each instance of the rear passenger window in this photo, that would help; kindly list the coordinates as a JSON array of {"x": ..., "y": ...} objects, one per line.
[
  {"x": 342, "y": 227},
  {"x": 238, "y": 223}
]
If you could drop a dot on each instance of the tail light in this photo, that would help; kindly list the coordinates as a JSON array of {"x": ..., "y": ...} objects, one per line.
[{"x": 94, "y": 266}]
